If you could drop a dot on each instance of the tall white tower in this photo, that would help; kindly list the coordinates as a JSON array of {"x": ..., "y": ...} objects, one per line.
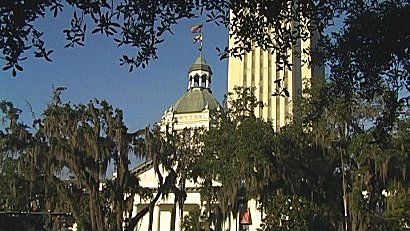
[{"x": 258, "y": 69}]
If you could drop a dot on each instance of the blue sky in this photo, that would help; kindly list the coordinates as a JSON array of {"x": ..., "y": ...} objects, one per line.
[{"x": 93, "y": 71}]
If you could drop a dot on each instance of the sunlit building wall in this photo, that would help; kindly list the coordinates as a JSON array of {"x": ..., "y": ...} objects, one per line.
[{"x": 258, "y": 69}]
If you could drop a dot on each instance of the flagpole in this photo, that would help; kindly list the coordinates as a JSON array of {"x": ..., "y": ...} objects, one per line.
[
  {"x": 199, "y": 37},
  {"x": 202, "y": 41}
]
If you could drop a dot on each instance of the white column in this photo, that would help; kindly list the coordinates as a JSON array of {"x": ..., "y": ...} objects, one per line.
[
  {"x": 192, "y": 82},
  {"x": 233, "y": 224},
  {"x": 156, "y": 218},
  {"x": 177, "y": 218},
  {"x": 207, "y": 82}
]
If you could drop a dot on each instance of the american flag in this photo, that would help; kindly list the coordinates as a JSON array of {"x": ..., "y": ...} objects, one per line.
[
  {"x": 196, "y": 29},
  {"x": 198, "y": 38}
]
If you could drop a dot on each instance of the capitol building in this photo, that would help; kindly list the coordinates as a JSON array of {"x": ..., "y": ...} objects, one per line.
[{"x": 192, "y": 110}]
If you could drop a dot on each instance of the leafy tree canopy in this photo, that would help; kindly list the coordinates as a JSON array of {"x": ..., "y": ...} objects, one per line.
[
  {"x": 370, "y": 48},
  {"x": 64, "y": 159}
]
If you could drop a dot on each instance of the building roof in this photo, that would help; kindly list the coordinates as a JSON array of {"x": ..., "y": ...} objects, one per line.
[
  {"x": 143, "y": 167},
  {"x": 200, "y": 64},
  {"x": 196, "y": 100}
]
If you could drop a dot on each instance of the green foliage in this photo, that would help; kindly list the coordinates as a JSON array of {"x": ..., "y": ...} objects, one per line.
[
  {"x": 139, "y": 24},
  {"x": 349, "y": 152},
  {"x": 64, "y": 163},
  {"x": 367, "y": 52},
  {"x": 237, "y": 147},
  {"x": 13, "y": 184},
  {"x": 366, "y": 140},
  {"x": 21, "y": 223},
  {"x": 301, "y": 176},
  {"x": 370, "y": 52},
  {"x": 355, "y": 125},
  {"x": 380, "y": 170},
  {"x": 304, "y": 171},
  {"x": 397, "y": 204},
  {"x": 194, "y": 221},
  {"x": 80, "y": 141},
  {"x": 242, "y": 103},
  {"x": 22, "y": 187},
  {"x": 293, "y": 213}
]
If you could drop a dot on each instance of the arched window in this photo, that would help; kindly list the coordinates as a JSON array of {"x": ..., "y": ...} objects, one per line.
[
  {"x": 196, "y": 80},
  {"x": 204, "y": 78}
]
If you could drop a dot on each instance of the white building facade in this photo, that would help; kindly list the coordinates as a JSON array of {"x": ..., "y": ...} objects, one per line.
[
  {"x": 192, "y": 110},
  {"x": 258, "y": 69}
]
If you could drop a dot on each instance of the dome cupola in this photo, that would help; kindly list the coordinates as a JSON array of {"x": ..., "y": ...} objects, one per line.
[
  {"x": 199, "y": 96},
  {"x": 196, "y": 100},
  {"x": 200, "y": 74}
]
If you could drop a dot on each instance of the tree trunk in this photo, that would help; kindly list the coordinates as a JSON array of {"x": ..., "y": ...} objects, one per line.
[
  {"x": 150, "y": 208},
  {"x": 151, "y": 216}
]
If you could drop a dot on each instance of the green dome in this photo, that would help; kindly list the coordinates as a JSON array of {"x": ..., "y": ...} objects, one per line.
[
  {"x": 200, "y": 64},
  {"x": 196, "y": 100}
]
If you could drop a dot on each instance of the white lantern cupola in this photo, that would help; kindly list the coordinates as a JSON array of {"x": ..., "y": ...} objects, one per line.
[{"x": 200, "y": 75}]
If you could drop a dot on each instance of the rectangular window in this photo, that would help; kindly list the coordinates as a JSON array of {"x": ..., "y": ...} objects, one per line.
[
  {"x": 253, "y": 68},
  {"x": 269, "y": 84},
  {"x": 245, "y": 69},
  {"x": 261, "y": 73},
  {"x": 286, "y": 85},
  {"x": 277, "y": 111}
]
